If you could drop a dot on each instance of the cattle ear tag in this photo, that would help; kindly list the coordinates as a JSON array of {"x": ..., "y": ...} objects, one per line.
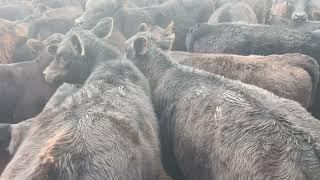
[
  {"x": 140, "y": 45},
  {"x": 77, "y": 44}
]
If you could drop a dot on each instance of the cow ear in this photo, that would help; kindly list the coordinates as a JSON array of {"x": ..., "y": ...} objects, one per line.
[
  {"x": 35, "y": 45},
  {"x": 52, "y": 49},
  {"x": 55, "y": 38},
  {"x": 167, "y": 42},
  {"x": 103, "y": 28},
  {"x": 78, "y": 45},
  {"x": 143, "y": 27},
  {"x": 140, "y": 45}
]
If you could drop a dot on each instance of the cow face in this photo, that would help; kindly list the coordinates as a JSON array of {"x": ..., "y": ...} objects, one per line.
[
  {"x": 38, "y": 48},
  {"x": 73, "y": 60},
  {"x": 299, "y": 10},
  {"x": 162, "y": 38},
  {"x": 96, "y": 10}
]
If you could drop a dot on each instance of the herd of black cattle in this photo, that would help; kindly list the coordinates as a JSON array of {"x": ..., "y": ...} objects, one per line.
[{"x": 159, "y": 89}]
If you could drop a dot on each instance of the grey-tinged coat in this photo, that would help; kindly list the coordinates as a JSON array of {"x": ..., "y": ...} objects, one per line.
[
  {"x": 233, "y": 12},
  {"x": 298, "y": 11},
  {"x": 216, "y": 128},
  {"x": 260, "y": 7},
  {"x": 184, "y": 14},
  {"x": 106, "y": 130},
  {"x": 245, "y": 39},
  {"x": 292, "y": 76}
]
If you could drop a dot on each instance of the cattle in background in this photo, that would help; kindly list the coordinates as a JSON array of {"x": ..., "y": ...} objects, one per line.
[
  {"x": 13, "y": 43},
  {"x": 291, "y": 76},
  {"x": 231, "y": 12},
  {"x": 24, "y": 91},
  {"x": 315, "y": 10},
  {"x": 59, "y": 3},
  {"x": 211, "y": 125},
  {"x": 260, "y": 7},
  {"x": 306, "y": 26},
  {"x": 245, "y": 39},
  {"x": 147, "y": 3},
  {"x": 43, "y": 28},
  {"x": 106, "y": 130},
  {"x": 298, "y": 11},
  {"x": 42, "y": 11},
  {"x": 316, "y": 15},
  {"x": 184, "y": 13},
  {"x": 46, "y": 21},
  {"x": 15, "y": 11},
  {"x": 13, "y": 1}
]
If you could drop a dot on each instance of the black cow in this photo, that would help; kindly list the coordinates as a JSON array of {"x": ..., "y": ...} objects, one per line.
[
  {"x": 60, "y": 3},
  {"x": 106, "y": 130},
  {"x": 297, "y": 10},
  {"x": 24, "y": 91},
  {"x": 233, "y": 12},
  {"x": 244, "y": 39},
  {"x": 184, "y": 13},
  {"x": 217, "y": 128}
]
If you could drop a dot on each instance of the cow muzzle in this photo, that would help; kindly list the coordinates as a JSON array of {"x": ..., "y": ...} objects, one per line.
[{"x": 300, "y": 16}]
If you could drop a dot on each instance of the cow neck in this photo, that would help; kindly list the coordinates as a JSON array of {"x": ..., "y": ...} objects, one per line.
[
  {"x": 155, "y": 64},
  {"x": 100, "y": 52},
  {"x": 100, "y": 55}
]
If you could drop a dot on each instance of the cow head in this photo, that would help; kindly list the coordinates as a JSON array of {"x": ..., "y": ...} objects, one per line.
[
  {"x": 162, "y": 38},
  {"x": 96, "y": 10},
  {"x": 38, "y": 48},
  {"x": 299, "y": 10},
  {"x": 74, "y": 58}
]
